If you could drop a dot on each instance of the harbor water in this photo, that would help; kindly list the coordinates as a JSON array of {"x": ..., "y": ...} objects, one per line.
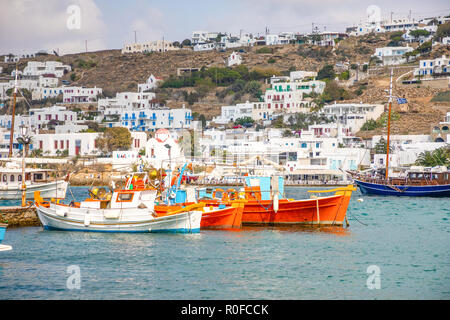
[{"x": 395, "y": 248}]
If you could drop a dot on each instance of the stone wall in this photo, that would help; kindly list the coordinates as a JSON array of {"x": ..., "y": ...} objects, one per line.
[{"x": 19, "y": 217}]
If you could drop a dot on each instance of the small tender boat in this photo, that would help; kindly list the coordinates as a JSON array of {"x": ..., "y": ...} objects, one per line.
[
  {"x": 3, "y": 247},
  {"x": 35, "y": 180},
  {"x": 266, "y": 205},
  {"x": 118, "y": 211}
]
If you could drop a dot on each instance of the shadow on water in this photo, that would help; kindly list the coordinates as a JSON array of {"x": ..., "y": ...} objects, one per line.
[{"x": 335, "y": 230}]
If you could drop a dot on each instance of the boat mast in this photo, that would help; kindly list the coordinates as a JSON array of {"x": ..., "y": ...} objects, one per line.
[
  {"x": 11, "y": 137},
  {"x": 389, "y": 127}
]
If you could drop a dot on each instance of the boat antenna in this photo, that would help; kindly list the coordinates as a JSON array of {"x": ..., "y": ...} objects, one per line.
[
  {"x": 389, "y": 127},
  {"x": 11, "y": 137}
]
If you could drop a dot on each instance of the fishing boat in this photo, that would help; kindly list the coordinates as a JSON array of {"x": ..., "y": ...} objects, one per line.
[
  {"x": 35, "y": 180},
  {"x": 266, "y": 205},
  {"x": 431, "y": 182},
  {"x": 416, "y": 182},
  {"x": 215, "y": 215},
  {"x": 117, "y": 211},
  {"x": 3, "y": 247}
]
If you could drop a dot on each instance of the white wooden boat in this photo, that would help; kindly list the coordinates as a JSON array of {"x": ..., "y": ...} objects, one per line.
[
  {"x": 35, "y": 180},
  {"x": 120, "y": 211},
  {"x": 3, "y": 247}
]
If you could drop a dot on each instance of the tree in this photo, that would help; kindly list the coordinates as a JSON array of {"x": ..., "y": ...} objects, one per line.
[
  {"x": 114, "y": 139},
  {"x": 244, "y": 121},
  {"x": 437, "y": 157},
  {"x": 419, "y": 33},
  {"x": 186, "y": 43},
  {"x": 327, "y": 72},
  {"x": 443, "y": 31},
  {"x": 381, "y": 146}
]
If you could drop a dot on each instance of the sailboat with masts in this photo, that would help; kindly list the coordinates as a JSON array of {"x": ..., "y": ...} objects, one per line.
[{"x": 416, "y": 182}]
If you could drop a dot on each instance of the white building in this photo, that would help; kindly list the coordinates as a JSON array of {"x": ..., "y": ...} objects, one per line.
[
  {"x": 326, "y": 38},
  {"x": 41, "y": 93},
  {"x": 353, "y": 115},
  {"x": 150, "y": 84},
  {"x": 80, "y": 94},
  {"x": 40, "y": 118},
  {"x": 82, "y": 144},
  {"x": 438, "y": 66},
  {"x": 205, "y": 46},
  {"x": 232, "y": 113},
  {"x": 146, "y": 119},
  {"x": 204, "y": 36},
  {"x": 392, "y": 55},
  {"x": 152, "y": 46},
  {"x": 159, "y": 155},
  {"x": 234, "y": 59},
  {"x": 36, "y": 68}
]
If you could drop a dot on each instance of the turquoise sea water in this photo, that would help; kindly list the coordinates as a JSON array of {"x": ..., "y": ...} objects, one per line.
[{"x": 408, "y": 239}]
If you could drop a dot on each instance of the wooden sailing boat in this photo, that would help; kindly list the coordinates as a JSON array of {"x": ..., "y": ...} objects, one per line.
[{"x": 431, "y": 182}]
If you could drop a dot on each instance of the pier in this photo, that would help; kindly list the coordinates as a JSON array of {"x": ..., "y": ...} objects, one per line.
[{"x": 17, "y": 216}]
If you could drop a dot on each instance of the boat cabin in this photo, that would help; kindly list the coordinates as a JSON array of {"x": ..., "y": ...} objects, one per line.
[
  {"x": 122, "y": 199},
  {"x": 12, "y": 175}
]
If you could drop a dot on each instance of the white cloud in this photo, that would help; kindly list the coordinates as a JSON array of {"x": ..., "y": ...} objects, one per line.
[{"x": 29, "y": 25}]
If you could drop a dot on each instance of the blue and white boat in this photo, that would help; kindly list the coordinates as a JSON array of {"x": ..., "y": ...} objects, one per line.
[
  {"x": 418, "y": 182},
  {"x": 3, "y": 247}
]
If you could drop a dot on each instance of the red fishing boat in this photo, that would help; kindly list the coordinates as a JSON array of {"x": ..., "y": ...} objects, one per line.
[
  {"x": 215, "y": 215},
  {"x": 266, "y": 205}
]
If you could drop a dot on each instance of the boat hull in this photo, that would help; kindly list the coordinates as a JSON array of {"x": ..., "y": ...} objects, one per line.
[
  {"x": 316, "y": 212},
  {"x": 3, "y": 247},
  {"x": 56, "y": 189},
  {"x": 60, "y": 217},
  {"x": 2, "y": 231},
  {"x": 400, "y": 190},
  {"x": 227, "y": 218}
]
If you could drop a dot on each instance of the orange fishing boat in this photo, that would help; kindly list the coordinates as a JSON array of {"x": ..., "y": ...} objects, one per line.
[
  {"x": 214, "y": 216},
  {"x": 265, "y": 204}
]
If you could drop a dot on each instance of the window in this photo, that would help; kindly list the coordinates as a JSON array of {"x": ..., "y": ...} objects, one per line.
[
  {"x": 122, "y": 197},
  {"x": 19, "y": 177},
  {"x": 11, "y": 178},
  {"x": 56, "y": 144}
]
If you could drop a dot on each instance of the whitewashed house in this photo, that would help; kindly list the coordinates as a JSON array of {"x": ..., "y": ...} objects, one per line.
[
  {"x": 41, "y": 117},
  {"x": 438, "y": 66},
  {"x": 150, "y": 84},
  {"x": 353, "y": 115},
  {"x": 80, "y": 94},
  {"x": 234, "y": 59},
  {"x": 78, "y": 144},
  {"x": 392, "y": 55},
  {"x": 36, "y": 68},
  {"x": 232, "y": 113},
  {"x": 151, "y": 119},
  {"x": 152, "y": 46}
]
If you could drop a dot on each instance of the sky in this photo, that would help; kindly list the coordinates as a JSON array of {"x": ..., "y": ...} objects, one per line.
[{"x": 69, "y": 26}]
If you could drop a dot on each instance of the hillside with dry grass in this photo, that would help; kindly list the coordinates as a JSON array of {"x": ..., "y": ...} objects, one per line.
[{"x": 115, "y": 72}]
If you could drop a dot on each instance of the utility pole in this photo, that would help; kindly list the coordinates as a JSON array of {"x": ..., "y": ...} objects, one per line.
[
  {"x": 392, "y": 13},
  {"x": 135, "y": 36},
  {"x": 85, "y": 44}
]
